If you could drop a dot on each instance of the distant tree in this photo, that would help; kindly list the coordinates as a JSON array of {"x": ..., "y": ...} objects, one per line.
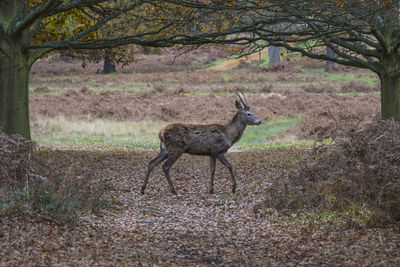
[
  {"x": 330, "y": 65},
  {"x": 274, "y": 52},
  {"x": 109, "y": 65}
]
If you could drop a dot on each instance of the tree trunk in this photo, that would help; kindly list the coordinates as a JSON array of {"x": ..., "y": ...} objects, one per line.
[
  {"x": 109, "y": 66},
  {"x": 390, "y": 96},
  {"x": 14, "y": 93},
  {"x": 274, "y": 54},
  {"x": 330, "y": 65}
]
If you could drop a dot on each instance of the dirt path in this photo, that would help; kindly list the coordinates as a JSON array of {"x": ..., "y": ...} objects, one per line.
[
  {"x": 192, "y": 228},
  {"x": 234, "y": 62}
]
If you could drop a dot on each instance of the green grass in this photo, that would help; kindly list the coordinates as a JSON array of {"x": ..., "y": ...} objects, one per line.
[
  {"x": 52, "y": 90},
  {"x": 291, "y": 84},
  {"x": 96, "y": 90},
  {"x": 264, "y": 61},
  {"x": 344, "y": 76},
  {"x": 116, "y": 89},
  {"x": 264, "y": 136},
  {"x": 358, "y": 93},
  {"x": 98, "y": 133},
  {"x": 259, "y": 136},
  {"x": 223, "y": 94},
  {"x": 284, "y": 144},
  {"x": 222, "y": 60},
  {"x": 105, "y": 134},
  {"x": 217, "y": 62}
]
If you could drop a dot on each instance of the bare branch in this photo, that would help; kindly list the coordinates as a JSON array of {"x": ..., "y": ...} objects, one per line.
[
  {"x": 74, "y": 4},
  {"x": 381, "y": 39}
]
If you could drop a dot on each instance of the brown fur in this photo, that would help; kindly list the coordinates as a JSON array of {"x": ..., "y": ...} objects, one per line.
[
  {"x": 199, "y": 139},
  {"x": 212, "y": 140}
]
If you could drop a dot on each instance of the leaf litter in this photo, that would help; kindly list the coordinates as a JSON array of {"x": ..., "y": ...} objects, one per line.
[{"x": 192, "y": 228}]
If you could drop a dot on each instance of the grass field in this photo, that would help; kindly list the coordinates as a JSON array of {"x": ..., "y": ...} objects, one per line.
[
  {"x": 136, "y": 135},
  {"x": 97, "y": 133}
]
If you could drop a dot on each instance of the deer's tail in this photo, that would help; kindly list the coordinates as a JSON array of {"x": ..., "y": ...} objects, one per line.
[{"x": 162, "y": 141}]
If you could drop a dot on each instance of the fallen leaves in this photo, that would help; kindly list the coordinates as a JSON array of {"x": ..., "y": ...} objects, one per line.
[{"x": 192, "y": 228}]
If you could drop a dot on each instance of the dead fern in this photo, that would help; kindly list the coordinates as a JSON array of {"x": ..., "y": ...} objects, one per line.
[{"x": 362, "y": 170}]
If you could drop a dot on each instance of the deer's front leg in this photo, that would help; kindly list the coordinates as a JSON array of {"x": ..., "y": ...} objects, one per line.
[
  {"x": 223, "y": 160},
  {"x": 212, "y": 170}
]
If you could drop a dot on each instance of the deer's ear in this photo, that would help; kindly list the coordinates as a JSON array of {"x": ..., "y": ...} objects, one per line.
[{"x": 239, "y": 105}]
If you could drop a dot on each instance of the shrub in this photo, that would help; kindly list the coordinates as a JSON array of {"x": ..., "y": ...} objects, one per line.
[
  {"x": 360, "y": 172},
  {"x": 33, "y": 185}
]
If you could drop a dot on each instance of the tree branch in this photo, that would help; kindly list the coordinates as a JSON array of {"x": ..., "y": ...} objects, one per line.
[
  {"x": 32, "y": 32},
  {"x": 334, "y": 38},
  {"x": 380, "y": 39},
  {"x": 35, "y": 14},
  {"x": 36, "y": 54},
  {"x": 79, "y": 4}
]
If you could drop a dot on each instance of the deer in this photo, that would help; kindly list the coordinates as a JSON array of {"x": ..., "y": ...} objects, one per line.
[{"x": 211, "y": 140}]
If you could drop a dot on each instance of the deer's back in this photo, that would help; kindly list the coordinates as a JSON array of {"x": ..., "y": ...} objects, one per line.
[{"x": 195, "y": 139}]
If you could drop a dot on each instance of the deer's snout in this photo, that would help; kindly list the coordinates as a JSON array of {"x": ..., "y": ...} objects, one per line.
[{"x": 254, "y": 121}]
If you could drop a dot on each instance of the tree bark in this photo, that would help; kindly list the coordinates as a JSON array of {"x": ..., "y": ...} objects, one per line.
[
  {"x": 330, "y": 65},
  {"x": 274, "y": 54},
  {"x": 390, "y": 96},
  {"x": 109, "y": 66},
  {"x": 390, "y": 86},
  {"x": 14, "y": 93}
]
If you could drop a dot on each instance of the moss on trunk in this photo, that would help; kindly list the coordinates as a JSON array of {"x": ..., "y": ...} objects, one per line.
[
  {"x": 390, "y": 97},
  {"x": 14, "y": 94},
  {"x": 390, "y": 86}
]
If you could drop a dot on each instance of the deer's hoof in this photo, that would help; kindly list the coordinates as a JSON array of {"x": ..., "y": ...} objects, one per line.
[
  {"x": 142, "y": 190},
  {"x": 173, "y": 191},
  {"x": 211, "y": 191},
  {"x": 233, "y": 189}
]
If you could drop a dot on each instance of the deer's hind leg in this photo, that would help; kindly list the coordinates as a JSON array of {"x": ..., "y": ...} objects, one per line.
[
  {"x": 223, "y": 160},
  {"x": 154, "y": 162},
  {"x": 172, "y": 157}
]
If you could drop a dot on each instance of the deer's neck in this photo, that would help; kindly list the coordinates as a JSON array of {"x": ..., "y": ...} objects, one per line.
[{"x": 235, "y": 129}]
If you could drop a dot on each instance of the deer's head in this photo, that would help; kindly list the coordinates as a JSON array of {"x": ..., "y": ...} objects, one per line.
[{"x": 244, "y": 113}]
